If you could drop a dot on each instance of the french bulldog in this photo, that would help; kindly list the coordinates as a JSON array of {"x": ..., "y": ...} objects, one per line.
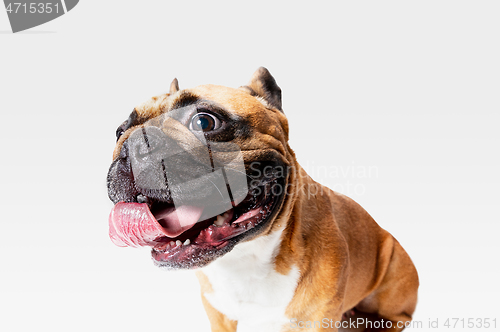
[{"x": 206, "y": 177}]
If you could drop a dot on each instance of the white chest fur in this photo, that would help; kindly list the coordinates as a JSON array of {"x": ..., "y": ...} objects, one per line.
[{"x": 247, "y": 288}]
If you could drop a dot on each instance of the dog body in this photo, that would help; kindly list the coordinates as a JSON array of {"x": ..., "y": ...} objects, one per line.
[
  {"x": 334, "y": 257},
  {"x": 299, "y": 258}
]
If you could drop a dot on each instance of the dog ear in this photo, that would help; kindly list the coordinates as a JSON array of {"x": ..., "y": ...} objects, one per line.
[
  {"x": 130, "y": 122},
  {"x": 263, "y": 84},
  {"x": 174, "y": 86}
]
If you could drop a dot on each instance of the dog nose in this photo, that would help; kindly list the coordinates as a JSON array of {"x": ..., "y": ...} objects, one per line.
[
  {"x": 145, "y": 143},
  {"x": 146, "y": 149}
]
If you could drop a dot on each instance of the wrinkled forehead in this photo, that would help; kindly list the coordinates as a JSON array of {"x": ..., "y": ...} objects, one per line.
[{"x": 234, "y": 101}]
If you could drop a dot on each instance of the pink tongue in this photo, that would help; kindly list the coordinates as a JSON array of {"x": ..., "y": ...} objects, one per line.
[{"x": 133, "y": 224}]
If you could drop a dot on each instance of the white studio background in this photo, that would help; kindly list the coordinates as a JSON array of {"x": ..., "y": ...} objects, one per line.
[{"x": 399, "y": 102}]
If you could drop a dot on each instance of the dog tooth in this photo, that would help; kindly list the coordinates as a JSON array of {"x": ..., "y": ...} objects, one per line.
[
  {"x": 187, "y": 242},
  {"x": 172, "y": 243},
  {"x": 178, "y": 242},
  {"x": 219, "y": 221},
  {"x": 142, "y": 199}
]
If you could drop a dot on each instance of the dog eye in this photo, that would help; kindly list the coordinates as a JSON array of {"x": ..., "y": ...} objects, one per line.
[{"x": 204, "y": 122}]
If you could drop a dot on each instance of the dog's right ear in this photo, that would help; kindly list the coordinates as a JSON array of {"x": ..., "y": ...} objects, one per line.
[
  {"x": 130, "y": 122},
  {"x": 174, "y": 86},
  {"x": 262, "y": 84}
]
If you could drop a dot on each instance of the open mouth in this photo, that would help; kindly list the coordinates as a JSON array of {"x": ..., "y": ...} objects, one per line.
[{"x": 182, "y": 236}]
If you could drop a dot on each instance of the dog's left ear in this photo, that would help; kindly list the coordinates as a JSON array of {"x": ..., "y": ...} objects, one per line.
[
  {"x": 263, "y": 84},
  {"x": 174, "y": 86}
]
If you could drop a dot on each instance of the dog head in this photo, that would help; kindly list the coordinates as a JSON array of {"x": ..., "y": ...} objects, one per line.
[{"x": 197, "y": 171}]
